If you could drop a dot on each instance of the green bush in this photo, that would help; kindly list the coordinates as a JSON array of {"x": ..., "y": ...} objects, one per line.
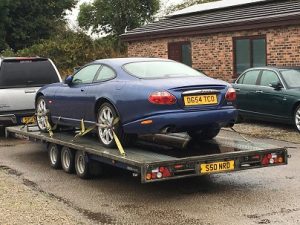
[{"x": 71, "y": 49}]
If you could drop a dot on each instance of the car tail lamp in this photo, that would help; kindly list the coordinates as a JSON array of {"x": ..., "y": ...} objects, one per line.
[
  {"x": 230, "y": 95},
  {"x": 272, "y": 158},
  {"x": 158, "y": 173},
  {"x": 162, "y": 98}
]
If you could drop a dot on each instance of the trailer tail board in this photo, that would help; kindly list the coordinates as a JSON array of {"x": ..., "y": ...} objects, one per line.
[{"x": 244, "y": 161}]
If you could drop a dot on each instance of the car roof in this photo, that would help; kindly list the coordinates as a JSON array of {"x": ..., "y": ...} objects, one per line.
[
  {"x": 122, "y": 61},
  {"x": 274, "y": 68}
]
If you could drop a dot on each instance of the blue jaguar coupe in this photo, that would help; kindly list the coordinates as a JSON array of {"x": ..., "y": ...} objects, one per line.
[{"x": 148, "y": 95}]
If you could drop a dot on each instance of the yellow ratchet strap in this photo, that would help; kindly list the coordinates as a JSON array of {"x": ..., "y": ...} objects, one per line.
[
  {"x": 83, "y": 130},
  {"x": 119, "y": 145},
  {"x": 48, "y": 126}
]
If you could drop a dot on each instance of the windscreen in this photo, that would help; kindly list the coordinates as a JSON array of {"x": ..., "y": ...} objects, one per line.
[
  {"x": 291, "y": 77},
  {"x": 160, "y": 69},
  {"x": 27, "y": 73}
]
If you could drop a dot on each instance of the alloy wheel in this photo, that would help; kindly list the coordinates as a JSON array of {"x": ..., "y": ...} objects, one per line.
[
  {"x": 297, "y": 118},
  {"x": 41, "y": 114},
  {"x": 106, "y": 117}
]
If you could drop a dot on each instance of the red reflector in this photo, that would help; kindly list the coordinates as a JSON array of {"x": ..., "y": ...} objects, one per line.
[
  {"x": 162, "y": 98},
  {"x": 230, "y": 95},
  {"x": 166, "y": 173},
  {"x": 161, "y": 169}
]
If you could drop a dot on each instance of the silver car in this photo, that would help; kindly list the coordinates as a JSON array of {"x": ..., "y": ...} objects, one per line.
[{"x": 20, "y": 79}]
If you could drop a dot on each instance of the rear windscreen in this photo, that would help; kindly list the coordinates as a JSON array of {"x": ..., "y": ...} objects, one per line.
[{"x": 27, "y": 73}]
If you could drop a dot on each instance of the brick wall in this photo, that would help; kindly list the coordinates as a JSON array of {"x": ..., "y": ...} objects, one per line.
[{"x": 213, "y": 54}]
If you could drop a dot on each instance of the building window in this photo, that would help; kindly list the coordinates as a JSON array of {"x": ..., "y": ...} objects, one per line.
[
  {"x": 180, "y": 52},
  {"x": 249, "y": 52}
]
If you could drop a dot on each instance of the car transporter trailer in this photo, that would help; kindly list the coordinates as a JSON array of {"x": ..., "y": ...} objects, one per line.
[{"x": 155, "y": 157}]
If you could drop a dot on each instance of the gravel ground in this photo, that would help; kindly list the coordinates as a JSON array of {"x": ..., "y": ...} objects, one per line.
[
  {"x": 21, "y": 204},
  {"x": 261, "y": 129}
]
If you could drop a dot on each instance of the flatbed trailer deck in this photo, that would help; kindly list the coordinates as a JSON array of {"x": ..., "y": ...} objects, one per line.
[{"x": 162, "y": 157}]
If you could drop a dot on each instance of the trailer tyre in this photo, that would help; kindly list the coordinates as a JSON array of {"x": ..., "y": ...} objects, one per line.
[
  {"x": 54, "y": 152},
  {"x": 68, "y": 160},
  {"x": 82, "y": 165}
]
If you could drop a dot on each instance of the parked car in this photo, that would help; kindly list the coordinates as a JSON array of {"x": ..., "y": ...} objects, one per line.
[
  {"x": 20, "y": 79},
  {"x": 270, "y": 94},
  {"x": 148, "y": 95}
]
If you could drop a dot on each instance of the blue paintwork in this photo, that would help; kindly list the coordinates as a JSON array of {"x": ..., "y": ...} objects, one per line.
[{"x": 129, "y": 95}]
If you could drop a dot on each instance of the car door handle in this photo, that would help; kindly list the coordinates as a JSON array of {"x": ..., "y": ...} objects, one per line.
[
  {"x": 237, "y": 89},
  {"x": 82, "y": 90},
  {"x": 259, "y": 91},
  {"x": 29, "y": 91}
]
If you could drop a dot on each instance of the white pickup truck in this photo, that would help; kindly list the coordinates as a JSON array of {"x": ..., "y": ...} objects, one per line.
[{"x": 20, "y": 78}]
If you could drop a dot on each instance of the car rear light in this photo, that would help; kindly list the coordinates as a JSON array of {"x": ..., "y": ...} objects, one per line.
[
  {"x": 162, "y": 98},
  {"x": 230, "y": 95}
]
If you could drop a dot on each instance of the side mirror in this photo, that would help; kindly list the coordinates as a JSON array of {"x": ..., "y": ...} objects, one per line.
[
  {"x": 69, "y": 80},
  {"x": 276, "y": 85}
]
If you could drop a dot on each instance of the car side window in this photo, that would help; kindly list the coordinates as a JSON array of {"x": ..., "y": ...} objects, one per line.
[
  {"x": 86, "y": 75},
  {"x": 106, "y": 73},
  {"x": 249, "y": 77},
  {"x": 268, "y": 77}
]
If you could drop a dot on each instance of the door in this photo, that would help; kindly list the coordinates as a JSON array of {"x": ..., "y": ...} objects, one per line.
[
  {"x": 71, "y": 101},
  {"x": 246, "y": 90},
  {"x": 271, "y": 102}
]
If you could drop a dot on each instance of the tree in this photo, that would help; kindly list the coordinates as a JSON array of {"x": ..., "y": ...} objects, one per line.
[
  {"x": 116, "y": 16},
  {"x": 185, "y": 4},
  {"x": 25, "y": 22}
]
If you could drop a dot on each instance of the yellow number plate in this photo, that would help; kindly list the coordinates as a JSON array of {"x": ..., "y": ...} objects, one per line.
[
  {"x": 217, "y": 167},
  {"x": 200, "y": 100},
  {"x": 28, "y": 119}
]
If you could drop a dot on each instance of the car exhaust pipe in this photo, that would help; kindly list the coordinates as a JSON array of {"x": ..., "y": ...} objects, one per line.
[{"x": 166, "y": 130}]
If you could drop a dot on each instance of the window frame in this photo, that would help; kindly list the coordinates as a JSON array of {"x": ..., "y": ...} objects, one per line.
[
  {"x": 251, "y": 38},
  {"x": 242, "y": 76},
  {"x": 98, "y": 73},
  {"x": 181, "y": 43},
  {"x": 278, "y": 75}
]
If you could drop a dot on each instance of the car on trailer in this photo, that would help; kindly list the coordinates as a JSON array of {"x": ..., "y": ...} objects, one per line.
[{"x": 147, "y": 95}]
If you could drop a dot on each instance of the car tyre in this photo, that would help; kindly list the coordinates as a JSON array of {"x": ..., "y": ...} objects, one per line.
[
  {"x": 297, "y": 118},
  {"x": 54, "y": 153},
  {"x": 205, "y": 134},
  {"x": 106, "y": 115},
  {"x": 67, "y": 160},
  {"x": 41, "y": 107}
]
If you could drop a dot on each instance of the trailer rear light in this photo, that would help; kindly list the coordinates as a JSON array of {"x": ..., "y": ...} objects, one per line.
[
  {"x": 272, "y": 158},
  {"x": 162, "y": 98},
  {"x": 230, "y": 95},
  {"x": 158, "y": 173}
]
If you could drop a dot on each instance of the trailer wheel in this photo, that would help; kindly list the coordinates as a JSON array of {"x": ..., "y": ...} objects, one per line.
[
  {"x": 54, "y": 152},
  {"x": 67, "y": 160},
  {"x": 82, "y": 165}
]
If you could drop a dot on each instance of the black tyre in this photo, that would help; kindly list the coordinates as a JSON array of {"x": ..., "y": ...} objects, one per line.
[
  {"x": 205, "y": 134},
  {"x": 42, "y": 112},
  {"x": 54, "y": 153},
  {"x": 106, "y": 116},
  {"x": 297, "y": 118},
  {"x": 82, "y": 165},
  {"x": 67, "y": 160}
]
